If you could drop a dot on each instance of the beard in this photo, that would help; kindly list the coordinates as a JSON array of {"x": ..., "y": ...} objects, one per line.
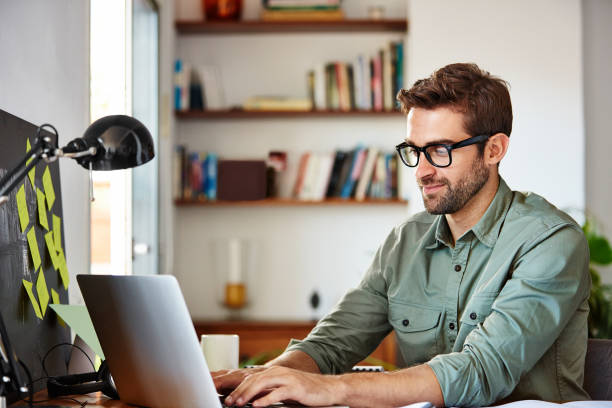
[{"x": 457, "y": 195}]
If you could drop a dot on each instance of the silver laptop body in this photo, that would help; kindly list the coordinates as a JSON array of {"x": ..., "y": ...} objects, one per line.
[{"x": 149, "y": 340}]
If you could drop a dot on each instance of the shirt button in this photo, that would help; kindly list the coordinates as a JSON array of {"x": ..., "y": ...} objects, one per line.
[
  {"x": 451, "y": 326},
  {"x": 457, "y": 268},
  {"x": 405, "y": 322},
  {"x": 473, "y": 316}
]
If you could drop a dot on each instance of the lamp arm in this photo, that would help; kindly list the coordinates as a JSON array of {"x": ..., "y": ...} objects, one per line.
[{"x": 14, "y": 177}]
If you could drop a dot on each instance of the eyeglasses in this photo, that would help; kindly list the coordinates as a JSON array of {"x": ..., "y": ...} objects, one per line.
[{"x": 438, "y": 154}]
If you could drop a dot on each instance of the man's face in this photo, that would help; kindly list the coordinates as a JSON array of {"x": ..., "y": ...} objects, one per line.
[{"x": 445, "y": 190}]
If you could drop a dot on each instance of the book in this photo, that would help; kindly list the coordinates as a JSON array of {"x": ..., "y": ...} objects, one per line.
[
  {"x": 181, "y": 85},
  {"x": 302, "y": 15},
  {"x": 344, "y": 98},
  {"x": 277, "y": 103},
  {"x": 319, "y": 87},
  {"x": 335, "y": 173},
  {"x": 326, "y": 162},
  {"x": 211, "y": 177},
  {"x": 366, "y": 175},
  {"x": 351, "y": 85},
  {"x": 307, "y": 187},
  {"x": 331, "y": 86},
  {"x": 178, "y": 178},
  {"x": 300, "y": 174},
  {"x": 356, "y": 167},
  {"x": 399, "y": 70},
  {"x": 345, "y": 172},
  {"x": 377, "y": 86},
  {"x": 214, "y": 97},
  {"x": 299, "y": 4},
  {"x": 387, "y": 79}
]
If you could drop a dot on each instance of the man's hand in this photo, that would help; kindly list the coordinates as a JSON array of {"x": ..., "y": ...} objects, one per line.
[
  {"x": 284, "y": 384},
  {"x": 229, "y": 379}
]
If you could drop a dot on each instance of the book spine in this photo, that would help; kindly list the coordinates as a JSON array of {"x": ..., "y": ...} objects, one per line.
[
  {"x": 211, "y": 176},
  {"x": 387, "y": 80},
  {"x": 399, "y": 70},
  {"x": 203, "y": 179},
  {"x": 177, "y": 171},
  {"x": 351, "y": 86},
  {"x": 319, "y": 87},
  {"x": 356, "y": 167},
  {"x": 377, "y": 83}
]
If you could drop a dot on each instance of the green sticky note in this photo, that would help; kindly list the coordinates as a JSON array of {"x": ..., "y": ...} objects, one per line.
[
  {"x": 32, "y": 172},
  {"x": 57, "y": 232},
  {"x": 63, "y": 268},
  {"x": 43, "y": 292},
  {"x": 28, "y": 287},
  {"x": 78, "y": 319},
  {"x": 42, "y": 209},
  {"x": 48, "y": 185},
  {"x": 56, "y": 301},
  {"x": 51, "y": 249},
  {"x": 34, "y": 248},
  {"x": 22, "y": 208}
]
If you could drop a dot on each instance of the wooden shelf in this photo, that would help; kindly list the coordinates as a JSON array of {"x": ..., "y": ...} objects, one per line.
[
  {"x": 274, "y": 202},
  {"x": 242, "y": 114},
  {"x": 256, "y": 26}
]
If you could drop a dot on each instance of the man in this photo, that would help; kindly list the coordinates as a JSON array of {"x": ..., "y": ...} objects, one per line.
[{"x": 486, "y": 291}]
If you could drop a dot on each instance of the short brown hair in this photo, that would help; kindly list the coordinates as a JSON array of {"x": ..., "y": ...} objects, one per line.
[{"x": 483, "y": 98}]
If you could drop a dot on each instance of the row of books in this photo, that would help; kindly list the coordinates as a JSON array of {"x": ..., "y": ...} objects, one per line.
[
  {"x": 363, "y": 84},
  {"x": 360, "y": 173},
  {"x": 364, "y": 172},
  {"x": 195, "y": 175},
  {"x": 197, "y": 88}
]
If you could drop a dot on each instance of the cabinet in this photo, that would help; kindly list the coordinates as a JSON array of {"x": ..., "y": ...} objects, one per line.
[{"x": 302, "y": 246}]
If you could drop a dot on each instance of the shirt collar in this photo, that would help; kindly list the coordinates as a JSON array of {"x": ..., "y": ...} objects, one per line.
[{"x": 486, "y": 230}]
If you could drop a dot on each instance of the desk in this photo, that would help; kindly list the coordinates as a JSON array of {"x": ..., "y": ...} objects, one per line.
[
  {"x": 258, "y": 337},
  {"x": 95, "y": 399}
]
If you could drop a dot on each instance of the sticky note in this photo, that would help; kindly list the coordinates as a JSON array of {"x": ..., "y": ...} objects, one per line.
[
  {"x": 78, "y": 319},
  {"x": 22, "y": 208},
  {"x": 33, "y": 248},
  {"x": 63, "y": 269},
  {"x": 43, "y": 292},
  {"x": 32, "y": 172},
  {"x": 28, "y": 287},
  {"x": 42, "y": 209},
  {"x": 51, "y": 249},
  {"x": 57, "y": 232},
  {"x": 48, "y": 186},
  {"x": 56, "y": 301}
]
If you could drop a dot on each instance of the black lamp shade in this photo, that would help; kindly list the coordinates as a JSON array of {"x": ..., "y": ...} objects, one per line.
[{"x": 121, "y": 141}]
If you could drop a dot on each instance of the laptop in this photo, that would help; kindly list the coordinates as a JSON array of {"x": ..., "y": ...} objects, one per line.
[{"x": 149, "y": 341}]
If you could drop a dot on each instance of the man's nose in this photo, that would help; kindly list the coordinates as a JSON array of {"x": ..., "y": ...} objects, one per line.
[{"x": 424, "y": 169}]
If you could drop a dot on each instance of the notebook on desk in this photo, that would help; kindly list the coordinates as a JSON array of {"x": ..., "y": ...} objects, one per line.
[{"x": 149, "y": 341}]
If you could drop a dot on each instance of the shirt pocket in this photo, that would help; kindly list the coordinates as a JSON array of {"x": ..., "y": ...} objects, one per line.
[
  {"x": 476, "y": 311},
  {"x": 416, "y": 328}
]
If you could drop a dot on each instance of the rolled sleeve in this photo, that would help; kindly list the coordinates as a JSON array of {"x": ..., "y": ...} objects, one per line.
[{"x": 548, "y": 283}]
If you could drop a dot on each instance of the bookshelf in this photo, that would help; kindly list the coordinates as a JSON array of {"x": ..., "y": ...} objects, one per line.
[
  {"x": 241, "y": 27},
  {"x": 301, "y": 245}
]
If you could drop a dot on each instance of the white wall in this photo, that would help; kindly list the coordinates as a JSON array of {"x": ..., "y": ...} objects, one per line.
[
  {"x": 597, "y": 15},
  {"x": 537, "y": 47},
  {"x": 44, "y": 78}
]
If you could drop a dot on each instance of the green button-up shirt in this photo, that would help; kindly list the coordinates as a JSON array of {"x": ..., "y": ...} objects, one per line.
[{"x": 502, "y": 313}]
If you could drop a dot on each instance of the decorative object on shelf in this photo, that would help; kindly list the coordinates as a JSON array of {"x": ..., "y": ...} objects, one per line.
[
  {"x": 376, "y": 12},
  {"x": 301, "y": 10},
  {"x": 112, "y": 142},
  {"x": 222, "y": 9},
  {"x": 241, "y": 180},
  {"x": 314, "y": 301}
]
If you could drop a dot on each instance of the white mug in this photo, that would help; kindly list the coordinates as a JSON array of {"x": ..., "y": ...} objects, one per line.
[{"x": 220, "y": 351}]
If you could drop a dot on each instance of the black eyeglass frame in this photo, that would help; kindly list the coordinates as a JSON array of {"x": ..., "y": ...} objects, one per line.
[{"x": 449, "y": 147}]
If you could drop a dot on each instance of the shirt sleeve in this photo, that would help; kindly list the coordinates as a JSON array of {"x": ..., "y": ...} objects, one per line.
[
  {"x": 547, "y": 284},
  {"x": 357, "y": 324}
]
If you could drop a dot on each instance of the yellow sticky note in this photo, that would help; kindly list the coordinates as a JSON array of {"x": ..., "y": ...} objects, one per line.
[
  {"x": 28, "y": 287},
  {"x": 34, "y": 248},
  {"x": 51, "y": 249},
  {"x": 22, "y": 208},
  {"x": 63, "y": 269},
  {"x": 43, "y": 292},
  {"x": 32, "y": 172},
  {"x": 57, "y": 232},
  {"x": 42, "y": 209},
  {"x": 48, "y": 185},
  {"x": 56, "y": 301}
]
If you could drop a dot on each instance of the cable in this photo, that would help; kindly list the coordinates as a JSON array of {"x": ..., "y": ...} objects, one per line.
[{"x": 65, "y": 344}]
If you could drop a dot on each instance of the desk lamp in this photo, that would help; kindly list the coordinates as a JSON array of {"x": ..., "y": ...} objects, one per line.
[{"x": 110, "y": 143}]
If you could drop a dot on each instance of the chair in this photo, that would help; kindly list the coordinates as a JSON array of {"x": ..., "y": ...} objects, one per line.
[{"x": 598, "y": 369}]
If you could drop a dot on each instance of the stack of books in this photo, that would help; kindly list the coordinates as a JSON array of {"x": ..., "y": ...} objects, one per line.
[
  {"x": 301, "y": 10},
  {"x": 195, "y": 175},
  {"x": 363, "y": 84}
]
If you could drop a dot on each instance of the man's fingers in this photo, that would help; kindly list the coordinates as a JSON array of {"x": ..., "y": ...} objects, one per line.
[
  {"x": 278, "y": 395},
  {"x": 255, "y": 384}
]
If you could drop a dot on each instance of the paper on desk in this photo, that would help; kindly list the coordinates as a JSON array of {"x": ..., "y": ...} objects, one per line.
[
  {"x": 32, "y": 172},
  {"x": 43, "y": 291},
  {"x": 48, "y": 185},
  {"x": 56, "y": 301},
  {"x": 22, "y": 208},
  {"x": 42, "y": 209},
  {"x": 28, "y": 287},
  {"x": 78, "y": 319},
  {"x": 33, "y": 244}
]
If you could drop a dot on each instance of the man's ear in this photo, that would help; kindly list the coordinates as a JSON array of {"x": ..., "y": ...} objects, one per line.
[{"x": 496, "y": 148}]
